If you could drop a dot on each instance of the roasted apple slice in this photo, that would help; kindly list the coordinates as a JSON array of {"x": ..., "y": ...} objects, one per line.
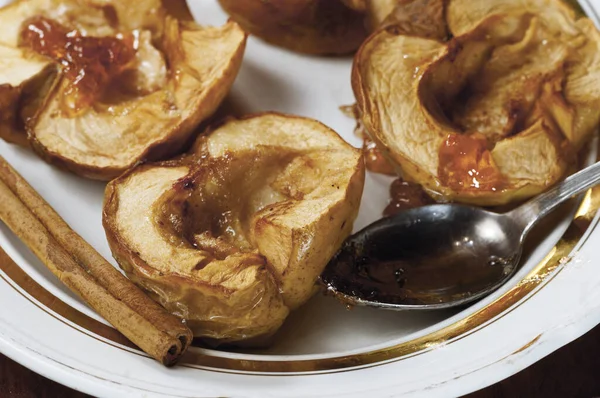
[
  {"x": 492, "y": 116},
  {"x": 307, "y": 26},
  {"x": 233, "y": 236},
  {"x": 133, "y": 80}
]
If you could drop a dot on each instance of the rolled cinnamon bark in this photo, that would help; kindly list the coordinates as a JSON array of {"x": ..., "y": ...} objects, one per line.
[{"x": 81, "y": 268}]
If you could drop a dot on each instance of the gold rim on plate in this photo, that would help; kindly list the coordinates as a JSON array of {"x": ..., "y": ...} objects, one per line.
[{"x": 539, "y": 276}]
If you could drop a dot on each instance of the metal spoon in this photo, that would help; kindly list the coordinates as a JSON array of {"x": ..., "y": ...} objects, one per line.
[{"x": 440, "y": 256}]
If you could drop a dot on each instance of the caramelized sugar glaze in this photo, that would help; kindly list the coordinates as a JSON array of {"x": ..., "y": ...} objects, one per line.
[
  {"x": 405, "y": 195},
  {"x": 374, "y": 159},
  {"x": 466, "y": 163},
  {"x": 89, "y": 63}
]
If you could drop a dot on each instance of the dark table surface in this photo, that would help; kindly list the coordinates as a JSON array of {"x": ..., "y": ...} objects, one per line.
[{"x": 571, "y": 372}]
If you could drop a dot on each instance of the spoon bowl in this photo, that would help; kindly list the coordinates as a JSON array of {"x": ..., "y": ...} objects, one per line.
[
  {"x": 440, "y": 256},
  {"x": 428, "y": 257}
]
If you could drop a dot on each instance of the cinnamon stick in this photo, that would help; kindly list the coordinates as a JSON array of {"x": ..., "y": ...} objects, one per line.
[{"x": 81, "y": 268}]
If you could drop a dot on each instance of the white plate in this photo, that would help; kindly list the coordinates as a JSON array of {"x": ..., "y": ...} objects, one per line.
[{"x": 323, "y": 349}]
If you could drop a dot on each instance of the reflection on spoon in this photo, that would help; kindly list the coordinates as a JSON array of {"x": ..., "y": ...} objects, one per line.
[{"x": 440, "y": 256}]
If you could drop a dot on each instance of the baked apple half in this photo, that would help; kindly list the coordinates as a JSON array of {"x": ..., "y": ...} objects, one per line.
[
  {"x": 306, "y": 26},
  {"x": 233, "y": 236},
  {"x": 495, "y": 114},
  {"x": 97, "y": 86},
  {"x": 420, "y": 17},
  {"x": 329, "y": 27}
]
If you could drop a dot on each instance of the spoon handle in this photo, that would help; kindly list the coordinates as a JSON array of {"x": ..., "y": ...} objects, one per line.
[{"x": 529, "y": 213}]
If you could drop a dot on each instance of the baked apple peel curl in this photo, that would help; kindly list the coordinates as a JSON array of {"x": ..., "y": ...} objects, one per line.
[
  {"x": 497, "y": 113},
  {"x": 233, "y": 236},
  {"x": 97, "y": 86}
]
